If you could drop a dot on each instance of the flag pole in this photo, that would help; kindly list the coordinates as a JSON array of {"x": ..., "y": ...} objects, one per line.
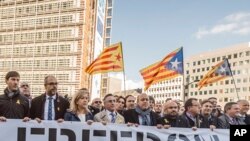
[
  {"x": 124, "y": 76},
  {"x": 183, "y": 77},
  {"x": 233, "y": 79}
]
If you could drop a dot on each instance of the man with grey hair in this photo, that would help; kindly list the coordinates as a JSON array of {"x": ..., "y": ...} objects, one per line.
[
  {"x": 142, "y": 114},
  {"x": 231, "y": 110},
  {"x": 244, "y": 108},
  {"x": 25, "y": 91}
]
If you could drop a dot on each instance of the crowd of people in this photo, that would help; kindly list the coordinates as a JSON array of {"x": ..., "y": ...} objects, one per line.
[{"x": 16, "y": 103}]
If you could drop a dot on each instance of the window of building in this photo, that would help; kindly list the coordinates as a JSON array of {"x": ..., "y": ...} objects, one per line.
[
  {"x": 235, "y": 55},
  {"x": 194, "y": 63},
  {"x": 213, "y": 59},
  {"x": 225, "y": 99},
  {"x": 199, "y": 62},
  {"x": 218, "y": 58}
]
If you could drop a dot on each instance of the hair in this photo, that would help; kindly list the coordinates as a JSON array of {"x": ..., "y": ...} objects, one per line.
[
  {"x": 228, "y": 106},
  {"x": 46, "y": 78},
  {"x": 206, "y": 101},
  {"x": 121, "y": 97},
  {"x": 78, "y": 95},
  {"x": 212, "y": 98},
  {"x": 189, "y": 103},
  {"x": 85, "y": 89},
  {"x": 107, "y": 95},
  {"x": 12, "y": 74},
  {"x": 151, "y": 98},
  {"x": 242, "y": 100}
]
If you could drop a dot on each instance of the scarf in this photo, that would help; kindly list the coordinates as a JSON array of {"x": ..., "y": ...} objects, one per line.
[
  {"x": 144, "y": 114},
  {"x": 11, "y": 94}
]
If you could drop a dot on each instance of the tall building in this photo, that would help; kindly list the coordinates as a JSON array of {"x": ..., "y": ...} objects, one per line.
[
  {"x": 239, "y": 58},
  {"x": 57, "y": 37},
  {"x": 172, "y": 88},
  {"x": 111, "y": 85}
]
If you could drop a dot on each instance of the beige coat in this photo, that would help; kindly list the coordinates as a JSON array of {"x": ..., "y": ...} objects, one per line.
[{"x": 102, "y": 116}]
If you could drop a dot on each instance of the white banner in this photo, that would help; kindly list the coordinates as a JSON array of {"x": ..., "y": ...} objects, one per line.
[{"x": 16, "y": 130}]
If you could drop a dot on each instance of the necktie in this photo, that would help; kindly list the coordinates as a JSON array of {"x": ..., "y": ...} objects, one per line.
[
  {"x": 50, "y": 108},
  {"x": 112, "y": 117}
]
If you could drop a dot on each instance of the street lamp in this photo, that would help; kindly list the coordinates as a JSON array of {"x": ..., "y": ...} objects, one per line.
[{"x": 186, "y": 87}]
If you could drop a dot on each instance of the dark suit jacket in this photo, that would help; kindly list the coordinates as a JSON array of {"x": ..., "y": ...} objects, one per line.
[
  {"x": 37, "y": 107},
  {"x": 133, "y": 117},
  {"x": 247, "y": 120},
  {"x": 224, "y": 122},
  {"x": 71, "y": 116},
  {"x": 186, "y": 122}
]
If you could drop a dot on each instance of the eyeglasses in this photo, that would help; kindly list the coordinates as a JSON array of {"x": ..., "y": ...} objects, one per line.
[
  {"x": 24, "y": 85},
  {"x": 131, "y": 101},
  {"x": 96, "y": 102},
  {"x": 52, "y": 83}
]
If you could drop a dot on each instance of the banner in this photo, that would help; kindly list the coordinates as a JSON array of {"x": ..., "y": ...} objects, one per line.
[{"x": 16, "y": 130}]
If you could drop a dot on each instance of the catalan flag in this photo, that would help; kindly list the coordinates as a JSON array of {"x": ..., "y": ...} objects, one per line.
[
  {"x": 218, "y": 72},
  {"x": 109, "y": 60},
  {"x": 171, "y": 66}
]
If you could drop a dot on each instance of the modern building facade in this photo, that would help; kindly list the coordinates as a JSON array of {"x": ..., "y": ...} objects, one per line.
[
  {"x": 239, "y": 58},
  {"x": 42, "y": 37},
  {"x": 172, "y": 88},
  {"x": 197, "y": 66}
]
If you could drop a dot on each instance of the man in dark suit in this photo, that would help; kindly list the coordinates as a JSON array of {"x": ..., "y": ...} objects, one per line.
[
  {"x": 244, "y": 108},
  {"x": 191, "y": 118},
  {"x": 49, "y": 106},
  {"x": 232, "y": 110},
  {"x": 142, "y": 114}
]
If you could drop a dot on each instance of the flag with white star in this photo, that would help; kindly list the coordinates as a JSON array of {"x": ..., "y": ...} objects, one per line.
[
  {"x": 218, "y": 72},
  {"x": 170, "y": 67},
  {"x": 109, "y": 60}
]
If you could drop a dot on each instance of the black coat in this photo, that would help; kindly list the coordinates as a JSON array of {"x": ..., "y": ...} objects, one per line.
[
  {"x": 186, "y": 122},
  {"x": 133, "y": 117},
  {"x": 37, "y": 107},
  {"x": 15, "y": 107},
  {"x": 167, "y": 121}
]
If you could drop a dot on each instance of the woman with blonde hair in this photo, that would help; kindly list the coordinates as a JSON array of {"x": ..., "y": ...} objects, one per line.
[{"x": 79, "y": 108}]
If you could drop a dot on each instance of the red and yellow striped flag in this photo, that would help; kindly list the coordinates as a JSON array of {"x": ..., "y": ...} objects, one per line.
[
  {"x": 171, "y": 66},
  {"x": 218, "y": 72},
  {"x": 109, "y": 60}
]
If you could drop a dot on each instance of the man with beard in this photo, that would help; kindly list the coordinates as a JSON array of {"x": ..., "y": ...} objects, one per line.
[
  {"x": 50, "y": 105},
  {"x": 142, "y": 114},
  {"x": 158, "y": 109},
  {"x": 13, "y": 105},
  {"x": 170, "y": 115},
  {"x": 206, "y": 113}
]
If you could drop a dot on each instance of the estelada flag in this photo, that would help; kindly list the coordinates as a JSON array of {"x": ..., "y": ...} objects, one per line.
[
  {"x": 218, "y": 72},
  {"x": 109, "y": 60},
  {"x": 170, "y": 67}
]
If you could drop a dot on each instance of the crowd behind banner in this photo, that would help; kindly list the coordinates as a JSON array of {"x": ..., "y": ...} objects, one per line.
[{"x": 16, "y": 103}]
